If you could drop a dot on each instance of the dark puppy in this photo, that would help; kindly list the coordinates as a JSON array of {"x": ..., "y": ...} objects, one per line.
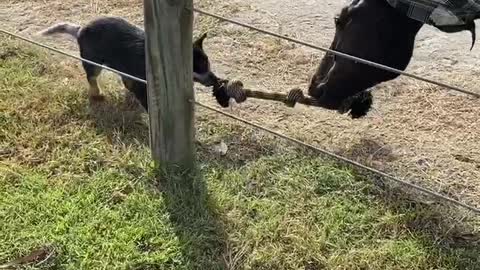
[{"x": 118, "y": 44}]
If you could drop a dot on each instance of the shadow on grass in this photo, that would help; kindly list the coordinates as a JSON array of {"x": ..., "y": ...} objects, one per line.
[
  {"x": 195, "y": 216},
  {"x": 121, "y": 121},
  {"x": 196, "y": 221}
]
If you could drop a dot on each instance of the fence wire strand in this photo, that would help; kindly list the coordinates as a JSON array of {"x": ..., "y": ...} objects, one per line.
[
  {"x": 342, "y": 159},
  {"x": 72, "y": 56},
  {"x": 275, "y": 133},
  {"x": 347, "y": 56}
]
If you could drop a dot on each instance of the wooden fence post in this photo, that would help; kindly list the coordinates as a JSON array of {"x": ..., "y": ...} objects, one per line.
[{"x": 168, "y": 28}]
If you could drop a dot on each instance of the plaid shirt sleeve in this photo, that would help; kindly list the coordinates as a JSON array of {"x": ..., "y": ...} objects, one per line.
[{"x": 439, "y": 12}]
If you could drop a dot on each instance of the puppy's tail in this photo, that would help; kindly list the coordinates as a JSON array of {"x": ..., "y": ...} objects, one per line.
[{"x": 62, "y": 28}]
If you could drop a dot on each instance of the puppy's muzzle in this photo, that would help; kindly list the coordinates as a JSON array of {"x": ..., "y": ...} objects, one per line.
[{"x": 207, "y": 79}]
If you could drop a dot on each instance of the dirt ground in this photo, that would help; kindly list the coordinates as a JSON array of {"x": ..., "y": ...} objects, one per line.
[{"x": 419, "y": 132}]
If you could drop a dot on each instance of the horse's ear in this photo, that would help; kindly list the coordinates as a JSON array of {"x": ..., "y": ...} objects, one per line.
[{"x": 199, "y": 42}]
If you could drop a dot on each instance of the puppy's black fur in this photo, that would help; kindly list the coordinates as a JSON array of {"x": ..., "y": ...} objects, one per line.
[{"x": 116, "y": 43}]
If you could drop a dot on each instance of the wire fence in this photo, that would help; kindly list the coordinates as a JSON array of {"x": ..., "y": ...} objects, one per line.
[
  {"x": 71, "y": 55},
  {"x": 384, "y": 175}
]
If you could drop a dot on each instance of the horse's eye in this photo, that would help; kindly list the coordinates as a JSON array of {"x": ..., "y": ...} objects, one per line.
[
  {"x": 342, "y": 19},
  {"x": 339, "y": 22}
]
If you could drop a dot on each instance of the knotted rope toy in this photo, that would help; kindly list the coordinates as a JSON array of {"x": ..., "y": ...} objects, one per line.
[{"x": 357, "y": 106}]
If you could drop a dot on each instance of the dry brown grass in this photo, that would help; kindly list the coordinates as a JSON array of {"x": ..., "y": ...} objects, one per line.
[{"x": 416, "y": 131}]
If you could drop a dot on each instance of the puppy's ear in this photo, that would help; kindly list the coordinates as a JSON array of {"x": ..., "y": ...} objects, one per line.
[{"x": 199, "y": 42}]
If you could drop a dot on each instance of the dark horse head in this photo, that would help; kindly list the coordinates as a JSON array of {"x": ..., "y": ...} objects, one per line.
[{"x": 368, "y": 29}]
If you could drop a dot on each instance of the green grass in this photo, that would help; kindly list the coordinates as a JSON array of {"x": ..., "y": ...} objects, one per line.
[{"x": 78, "y": 177}]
